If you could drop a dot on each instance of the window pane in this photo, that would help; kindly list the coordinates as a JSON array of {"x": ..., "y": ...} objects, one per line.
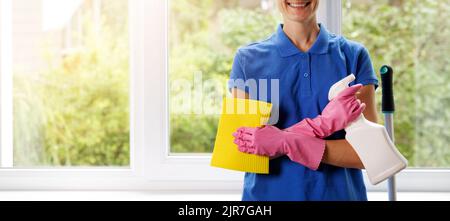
[
  {"x": 414, "y": 38},
  {"x": 203, "y": 37},
  {"x": 70, "y": 83}
]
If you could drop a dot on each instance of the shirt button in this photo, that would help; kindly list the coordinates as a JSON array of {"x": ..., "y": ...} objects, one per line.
[{"x": 305, "y": 75}]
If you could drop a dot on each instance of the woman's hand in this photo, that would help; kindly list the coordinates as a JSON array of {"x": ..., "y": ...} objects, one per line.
[
  {"x": 264, "y": 141},
  {"x": 273, "y": 142},
  {"x": 342, "y": 110}
]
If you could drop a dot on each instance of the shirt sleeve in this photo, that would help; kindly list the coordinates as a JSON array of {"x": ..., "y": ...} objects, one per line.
[
  {"x": 237, "y": 75},
  {"x": 365, "y": 73}
]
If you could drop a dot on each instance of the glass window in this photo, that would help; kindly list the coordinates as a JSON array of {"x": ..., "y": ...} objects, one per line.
[
  {"x": 203, "y": 38},
  {"x": 414, "y": 38},
  {"x": 70, "y": 83}
]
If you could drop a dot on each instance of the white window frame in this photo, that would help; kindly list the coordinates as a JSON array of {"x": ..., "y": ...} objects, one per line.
[{"x": 152, "y": 167}]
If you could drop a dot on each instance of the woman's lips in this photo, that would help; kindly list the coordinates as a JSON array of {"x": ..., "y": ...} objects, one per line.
[{"x": 297, "y": 4}]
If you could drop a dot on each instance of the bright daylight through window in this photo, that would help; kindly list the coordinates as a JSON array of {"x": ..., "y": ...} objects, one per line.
[{"x": 70, "y": 71}]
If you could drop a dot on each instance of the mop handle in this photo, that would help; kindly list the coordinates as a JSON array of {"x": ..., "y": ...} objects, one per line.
[
  {"x": 388, "y": 108},
  {"x": 387, "y": 97}
]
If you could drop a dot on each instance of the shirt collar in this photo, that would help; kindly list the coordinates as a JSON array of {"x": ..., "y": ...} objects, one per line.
[{"x": 287, "y": 48}]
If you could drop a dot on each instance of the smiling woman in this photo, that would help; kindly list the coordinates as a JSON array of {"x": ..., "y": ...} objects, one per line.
[{"x": 203, "y": 35}]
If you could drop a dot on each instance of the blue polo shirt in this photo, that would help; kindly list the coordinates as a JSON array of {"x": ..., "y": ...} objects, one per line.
[{"x": 304, "y": 81}]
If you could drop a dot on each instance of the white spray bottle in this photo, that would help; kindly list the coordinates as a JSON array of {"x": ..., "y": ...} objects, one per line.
[{"x": 371, "y": 142}]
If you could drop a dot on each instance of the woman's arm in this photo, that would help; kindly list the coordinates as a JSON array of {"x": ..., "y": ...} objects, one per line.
[{"x": 339, "y": 152}]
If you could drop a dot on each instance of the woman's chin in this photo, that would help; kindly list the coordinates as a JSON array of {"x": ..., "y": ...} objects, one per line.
[{"x": 298, "y": 18}]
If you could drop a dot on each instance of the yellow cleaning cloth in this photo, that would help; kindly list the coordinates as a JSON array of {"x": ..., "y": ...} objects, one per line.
[{"x": 239, "y": 113}]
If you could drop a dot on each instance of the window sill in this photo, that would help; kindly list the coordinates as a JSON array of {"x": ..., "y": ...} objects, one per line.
[{"x": 179, "y": 196}]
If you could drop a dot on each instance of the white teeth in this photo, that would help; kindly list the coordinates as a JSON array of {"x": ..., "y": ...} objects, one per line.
[{"x": 297, "y": 5}]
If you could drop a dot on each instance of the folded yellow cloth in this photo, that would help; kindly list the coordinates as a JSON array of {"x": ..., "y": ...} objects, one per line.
[{"x": 239, "y": 113}]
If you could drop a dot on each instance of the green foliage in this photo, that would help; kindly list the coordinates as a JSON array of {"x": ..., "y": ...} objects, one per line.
[
  {"x": 242, "y": 26},
  {"x": 193, "y": 133},
  {"x": 76, "y": 112},
  {"x": 432, "y": 83},
  {"x": 415, "y": 42}
]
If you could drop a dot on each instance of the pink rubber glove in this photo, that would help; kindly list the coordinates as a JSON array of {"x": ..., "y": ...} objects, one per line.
[
  {"x": 341, "y": 111},
  {"x": 273, "y": 142}
]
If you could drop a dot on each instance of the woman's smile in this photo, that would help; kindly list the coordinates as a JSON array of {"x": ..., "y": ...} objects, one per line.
[
  {"x": 298, "y": 10},
  {"x": 298, "y": 4}
]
